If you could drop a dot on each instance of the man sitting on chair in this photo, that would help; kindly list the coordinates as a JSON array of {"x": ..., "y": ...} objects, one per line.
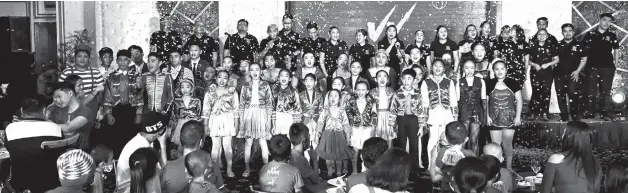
[{"x": 33, "y": 167}]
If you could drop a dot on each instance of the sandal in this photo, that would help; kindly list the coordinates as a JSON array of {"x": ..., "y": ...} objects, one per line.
[
  {"x": 230, "y": 173},
  {"x": 246, "y": 173}
]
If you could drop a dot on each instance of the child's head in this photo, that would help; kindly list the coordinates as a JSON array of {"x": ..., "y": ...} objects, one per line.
[
  {"x": 441, "y": 33},
  {"x": 123, "y": 58},
  {"x": 143, "y": 164},
  {"x": 209, "y": 74},
  {"x": 493, "y": 166},
  {"x": 106, "y": 56},
  {"x": 356, "y": 68},
  {"x": 420, "y": 72},
  {"x": 438, "y": 67},
  {"x": 309, "y": 81},
  {"x": 308, "y": 59},
  {"x": 342, "y": 60},
  {"x": 284, "y": 77},
  {"x": 222, "y": 77},
  {"x": 299, "y": 134},
  {"x": 280, "y": 147},
  {"x": 415, "y": 54},
  {"x": 227, "y": 62},
  {"x": 361, "y": 89},
  {"x": 153, "y": 62},
  {"x": 244, "y": 66},
  {"x": 407, "y": 77},
  {"x": 272, "y": 30},
  {"x": 478, "y": 51},
  {"x": 76, "y": 168},
  {"x": 77, "y": 81},
  {"x": 382, "y": 78},
  {"x": 338, "y": 83},
  {"x": 372, "y": 149},
  {"x": 254, "y": 71},
  {"x": 175, "y": 57},
  {"x": 334, "y": 97},
  {"x": 456, "y": 133},
  {"x": 195, "y": 51},
  {"x": 447, "y": 58},
  {"x": 269, "y": 61},
  {"x": 381, "y": 58},
  {"x": 103, "y": 157},
  {"x": 500, "y": 70},
  {"x": 470, "y": 175},
  {"x": 186, "y": 86},
  {"x": 469, "y": 68},
  {"x": 495, "y": 150},
  {"x": 199, "y": 164}
]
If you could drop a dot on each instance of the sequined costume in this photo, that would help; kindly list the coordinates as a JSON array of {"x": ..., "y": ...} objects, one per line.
[
  {"x": 334, "y": 132},
  {"x": 362, "y": 118},
  {"x": 311, "y": 107},
  {"x": 256, "y": 106},
  {"x": 502, "y": 104},
  {"x": 158, "y": 92},
  {"x": 221, "y": 111},
  {"x": 443, "y": 103},
  {"x": 182, "y": 113},
  {"x": 386, "y": 112},
  {"x": 470, "y": 104},
  {"x": 287, "y": 109}
]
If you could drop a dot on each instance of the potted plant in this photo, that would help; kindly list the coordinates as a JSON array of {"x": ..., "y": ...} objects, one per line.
[{"x": 66, "y": 49}]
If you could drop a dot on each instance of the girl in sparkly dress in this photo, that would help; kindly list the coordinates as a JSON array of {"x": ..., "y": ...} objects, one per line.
[
  {"x": 472, "y": 102},
  {"x": 504, "y": 109},
  {"x": 256, "y": 106},
  {"x": 333, "y": 133},
  {"x": 443, "y": 105},
  {"x": 362, "y": 117},
  {"x": 384, "y": 98},
  {"x": 311, "y": 100},
  {"x": 185, "y": 108},
  {"x": 220, "y": 113},
  {"x": 287, "y": 108}
]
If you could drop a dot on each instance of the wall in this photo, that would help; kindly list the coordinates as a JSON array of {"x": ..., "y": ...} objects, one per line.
[
  {"x": 14, "y": 8},
  {"x": 259, "y": 15},
  {"x": 407, "y": 16}
]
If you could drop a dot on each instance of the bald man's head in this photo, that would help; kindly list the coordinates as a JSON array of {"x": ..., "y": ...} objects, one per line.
[
  {"x": 494, "y": 149},
  {"x": 198, "y": 163}
]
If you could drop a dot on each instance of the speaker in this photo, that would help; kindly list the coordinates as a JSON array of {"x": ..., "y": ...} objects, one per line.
[{"x": 15, "y": 34}]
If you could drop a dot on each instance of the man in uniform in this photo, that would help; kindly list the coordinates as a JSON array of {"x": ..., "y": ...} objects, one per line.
[
  {"x": 567, "y": 74},
  {"x": 241, "y": 45}
]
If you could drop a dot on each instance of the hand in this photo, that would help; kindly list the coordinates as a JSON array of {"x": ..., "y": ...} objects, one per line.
[
  {"x": 544, "y": 66},
  {"x": 575, "y": 75},
  {"x": 537, "y": 67},
  {"x": 489, "y": 121},
  {"x": 111, "y": 120},
  {"x": 99, "y": 88},
  {"x": 394, "y": 41},
  {"x": 420, "y": 133},
  {"x": 517, "y": 121},
  {"x": 270, "y": 44},
  {"x": 138, "y": 119}
]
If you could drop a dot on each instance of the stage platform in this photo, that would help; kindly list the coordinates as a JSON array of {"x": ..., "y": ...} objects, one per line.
[{"x": 547, "y": 134}]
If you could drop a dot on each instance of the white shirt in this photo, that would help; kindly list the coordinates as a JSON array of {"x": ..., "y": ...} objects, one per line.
[
  {"x": 27, "y": 129},
  {"x": 123, "y": 170},
  {"x": 175, "y": 71}
]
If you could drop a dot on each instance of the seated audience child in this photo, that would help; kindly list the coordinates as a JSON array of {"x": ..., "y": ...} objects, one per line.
[
  {"x": 506, "y": 181},
  {"x": 300, "y": 138},
  {"x": 617, "y": 177},
  {"x": 199, "y": 166},
  {"x": 389, "y": 174},
  {"x": 75, "y": 172},
  {"x": 143, "y": 164},
  {"x": 278, "y": 175},
  {"x": 448, "y": 155},
  {"x": 469, "y": 175},
  {"x": 103, "y": 160},
  {"x": 372, "y": 149},
  {"x": 492, "y": 164}
]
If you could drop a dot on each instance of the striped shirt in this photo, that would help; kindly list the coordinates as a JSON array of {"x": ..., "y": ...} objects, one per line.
[{"x": 91, "y": 77}]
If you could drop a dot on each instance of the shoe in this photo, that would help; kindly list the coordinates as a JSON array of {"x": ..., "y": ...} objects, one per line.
[
  {"x": 246, "y": 173},
  {"x": 531, "y": 118},
  {"x": 564, "y": 117},
  {"x": 545, "y": 118},
  {"x": 576, "y": 117}
]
